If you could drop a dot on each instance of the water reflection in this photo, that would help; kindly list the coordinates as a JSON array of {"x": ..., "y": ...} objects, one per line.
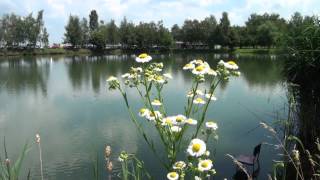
[
  {"x": 19, "y": 74},
  {"x": 77, "y": 116}
]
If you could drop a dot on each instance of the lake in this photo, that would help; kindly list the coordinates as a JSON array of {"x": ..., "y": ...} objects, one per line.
[{"x": 66, "y": 100}]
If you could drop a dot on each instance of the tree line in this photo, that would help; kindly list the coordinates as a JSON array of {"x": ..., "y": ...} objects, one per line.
[
  {"x": 260, "y": 30},
  {"x": 23, "y": 32},
  {"x": 264, "y": 30},
  {"x": 83, "y": 33}
]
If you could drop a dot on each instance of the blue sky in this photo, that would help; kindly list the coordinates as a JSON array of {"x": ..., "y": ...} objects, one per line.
[{"x": 56, "y": 12}]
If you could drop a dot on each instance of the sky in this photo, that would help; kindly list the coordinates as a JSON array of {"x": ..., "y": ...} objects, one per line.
[{"x": 56, "y": 12}]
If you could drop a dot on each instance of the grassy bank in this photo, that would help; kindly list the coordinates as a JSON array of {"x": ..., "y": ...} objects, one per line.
[
  {"x": 44, "y": 52},
  {"x": 257, "y": 51}
]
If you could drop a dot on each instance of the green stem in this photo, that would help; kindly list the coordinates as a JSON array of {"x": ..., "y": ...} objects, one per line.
[{"x": 212, "y": 89}]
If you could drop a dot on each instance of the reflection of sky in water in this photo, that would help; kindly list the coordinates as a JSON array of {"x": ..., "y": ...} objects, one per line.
[{"x": 65, "y": 99}]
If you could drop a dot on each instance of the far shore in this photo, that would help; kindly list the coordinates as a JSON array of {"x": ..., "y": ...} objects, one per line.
[{"x": 75, "y": 52}]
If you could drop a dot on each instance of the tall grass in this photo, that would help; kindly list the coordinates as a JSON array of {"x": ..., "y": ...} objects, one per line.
[{"x": 10, "y": 170}]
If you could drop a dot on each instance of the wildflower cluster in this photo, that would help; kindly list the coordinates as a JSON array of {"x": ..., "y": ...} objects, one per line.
[{"x": 149, "y": 80}]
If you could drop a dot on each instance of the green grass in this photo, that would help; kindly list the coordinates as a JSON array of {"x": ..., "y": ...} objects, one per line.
[
  {"x": 43, "y": 52},
  {"x": 257, "y": 51}
]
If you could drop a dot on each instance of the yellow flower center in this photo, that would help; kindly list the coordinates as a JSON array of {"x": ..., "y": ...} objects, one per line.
[
  {"x": 188, "y": 65},
  {"x": 158, "y": 78},
  {"x": 179, "y": 165},
  {"x": 200, "y": 68},
  {"x": 205, "y": 164},
  {"x": 143, "y": 110},
  {"x": 173, "y": 174},
  {"x": 179, "y": 119},
  {"x": 143, "y": 55},
  {"x": 196, "y": 147},
  {"x": 199, "y": 100},
  {"x": 168, "y": 121},
  {"x": 231, "y": 63}
]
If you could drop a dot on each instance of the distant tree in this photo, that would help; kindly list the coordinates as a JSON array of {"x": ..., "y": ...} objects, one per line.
[
  {"x": 165, "y": 38},
  {"x": 39, "y": 26},
  {"x": 93, "y": 20},
  {"x": 208, "y": 26},
  {"x": 99, "y": 37},
  {"x": 73, "y": 31},
  {"x": 223, "y": 30},
  {"x": 85, "y": 34},
  {"x": 113, "y": 33},
  {"x": 127, "y": 33},
  {"x": 234, "y": 39},
  {"x": 45, "y": 37},
  {"x": 176, "y": 33}
]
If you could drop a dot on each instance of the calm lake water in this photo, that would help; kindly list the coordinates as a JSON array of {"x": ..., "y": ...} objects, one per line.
[{"x": 66, "y": 100}]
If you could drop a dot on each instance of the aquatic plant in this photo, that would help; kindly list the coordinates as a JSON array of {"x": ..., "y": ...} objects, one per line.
[
  {"x": 10, "y": 170},
  {"x": 149, "y": 80}
]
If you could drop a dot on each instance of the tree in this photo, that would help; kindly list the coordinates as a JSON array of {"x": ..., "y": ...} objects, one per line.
[
  {"x": 176, "y": 33},
  {"x": 208, "y": 26},
  {"x": 73, "y": 31},
  {"x": 45, "y": 38},
  {"x": 127, "y": 33},
  {"x": 113, "y": 33},
  {"x": 223, "y": 30},
  {"x": 93, "y": 20},
  {"x": 99, "y": 37},
  {"x": 85, "y": 34}
]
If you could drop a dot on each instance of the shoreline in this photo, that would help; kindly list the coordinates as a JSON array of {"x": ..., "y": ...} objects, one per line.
[{"x": 75, "y": 52}]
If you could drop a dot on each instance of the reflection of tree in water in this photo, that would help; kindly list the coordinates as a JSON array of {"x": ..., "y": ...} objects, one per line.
[
  {"x": 19, "y": 74},
  {"x": 94, "y": 70},
  {"x": 260, "y": 71},
  {"x": 85, "y": 71}
]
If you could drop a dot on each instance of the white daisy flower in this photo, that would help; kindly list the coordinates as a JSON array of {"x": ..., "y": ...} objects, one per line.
[
  {"x": 231, "y": 65},
  {"x": 112, "y": 78},
  {"x": 168, "y": 121},
  {"x": 207, "y": 153},
  {"x": 160, "y": 79},
  {"x": 180, "y": 119},
  {"x": 157, "y": 69},
  {"x": 191, "y": 121},
  {"x": 126, "y": 75},
  {"x": 213, "y": 98},
  {"x": 212, "y": 72},
  {"x": 197, "y": 147},
  {"x": 156, "y": 102},
  {"x": 190, "y": 94},
  {"x": 143, "y": 58},
  {"x": 199, "y": 101},
  {"x": 205, "y": 165},
  {"x": 175, "y": 129},
  {"x": 152, "y": 116},
  {"x": 197, "y": 178},
  {"x": 144, "y": 112},
  {"x": 173, "y": 176},
  {"x": 137, "y": 69},
  {"x": 199, "y": 92},
  {"x": 179, "y": 165},
  {"x": 201, "y": 69},
  {"x": 188, "y": 66},
  {"x": 212, "y": 125},
  {"x": 167, "y": 75}
]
